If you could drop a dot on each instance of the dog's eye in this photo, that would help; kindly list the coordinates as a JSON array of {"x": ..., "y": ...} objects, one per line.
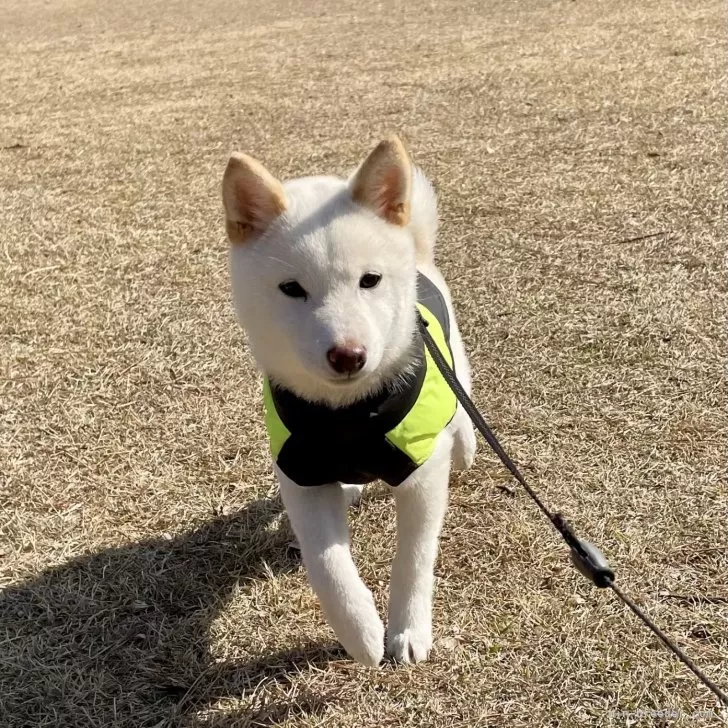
[
  {"x": 369, "y": 280},
  {"x": 293, "y": 289}
]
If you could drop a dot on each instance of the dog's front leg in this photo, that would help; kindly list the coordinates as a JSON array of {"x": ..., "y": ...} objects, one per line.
[
  {"x": 318, "y": 517},
  {"x": 421, "y": 503}
]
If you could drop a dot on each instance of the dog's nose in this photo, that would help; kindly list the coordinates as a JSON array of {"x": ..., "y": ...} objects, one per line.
[{"x": 347, "y": 359}]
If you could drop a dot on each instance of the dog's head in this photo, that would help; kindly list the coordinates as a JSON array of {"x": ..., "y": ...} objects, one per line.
[{"x": 323, "y": 273}]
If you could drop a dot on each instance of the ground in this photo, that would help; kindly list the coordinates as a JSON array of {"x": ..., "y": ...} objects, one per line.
[{"x": 578, "y": 151}]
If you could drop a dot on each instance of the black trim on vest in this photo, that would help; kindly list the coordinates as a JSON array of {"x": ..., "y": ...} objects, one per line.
[
  {"x": 349, "y": 444},
  {"x": 430, "y": 296}
]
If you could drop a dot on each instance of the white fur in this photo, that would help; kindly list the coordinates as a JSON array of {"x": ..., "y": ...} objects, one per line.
[{"x": 326, "y": 242}]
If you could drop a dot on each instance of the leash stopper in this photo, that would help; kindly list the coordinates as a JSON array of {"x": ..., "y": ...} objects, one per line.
[{"x": 592, "y": 563}]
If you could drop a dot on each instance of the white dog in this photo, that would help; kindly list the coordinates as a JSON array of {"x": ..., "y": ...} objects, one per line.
[{"x": 328, "y": 277}]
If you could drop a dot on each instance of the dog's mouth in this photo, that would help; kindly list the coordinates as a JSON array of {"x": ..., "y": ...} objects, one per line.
[{"x": 341, "y": 380}]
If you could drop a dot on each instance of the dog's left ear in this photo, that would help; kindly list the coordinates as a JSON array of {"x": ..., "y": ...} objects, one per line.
[{"x": 384, "y": 181}]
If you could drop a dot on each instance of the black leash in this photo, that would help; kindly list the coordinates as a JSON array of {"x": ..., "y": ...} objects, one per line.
[{"x": 587, "y": 558}]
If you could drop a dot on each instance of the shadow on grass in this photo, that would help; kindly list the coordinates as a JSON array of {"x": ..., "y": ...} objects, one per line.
[{"x": 120, "y": 637}]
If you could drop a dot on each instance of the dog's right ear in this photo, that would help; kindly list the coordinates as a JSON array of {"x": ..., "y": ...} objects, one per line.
[{"x": 252, "y": 197}]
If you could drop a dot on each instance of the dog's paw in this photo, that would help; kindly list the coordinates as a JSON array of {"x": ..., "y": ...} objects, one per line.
[
  {"x": 358, "y": 627},
  {"x": 410, "y": 645},
  {"x": 364, "y": 641}
]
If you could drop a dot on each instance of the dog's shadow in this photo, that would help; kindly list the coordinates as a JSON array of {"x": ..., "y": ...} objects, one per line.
[{"x": 120, "y": 637}]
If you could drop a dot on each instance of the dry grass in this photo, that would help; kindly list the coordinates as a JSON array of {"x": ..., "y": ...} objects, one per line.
[{"x": 144, "y": 560}]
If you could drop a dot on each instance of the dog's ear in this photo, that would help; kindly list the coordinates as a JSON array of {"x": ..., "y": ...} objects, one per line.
[
  {"x": 252, "y": 197},
  {"x": 383, "y": 182}
]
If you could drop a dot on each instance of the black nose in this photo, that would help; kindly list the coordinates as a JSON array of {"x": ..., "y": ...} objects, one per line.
[{"x": 347, "y": 359}]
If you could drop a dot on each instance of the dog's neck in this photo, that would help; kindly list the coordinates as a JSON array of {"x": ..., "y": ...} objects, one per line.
[{"x": 377, "y": 413}]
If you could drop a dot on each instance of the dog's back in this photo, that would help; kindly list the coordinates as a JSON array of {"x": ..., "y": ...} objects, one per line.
[{"x": 424, "y": 217}]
